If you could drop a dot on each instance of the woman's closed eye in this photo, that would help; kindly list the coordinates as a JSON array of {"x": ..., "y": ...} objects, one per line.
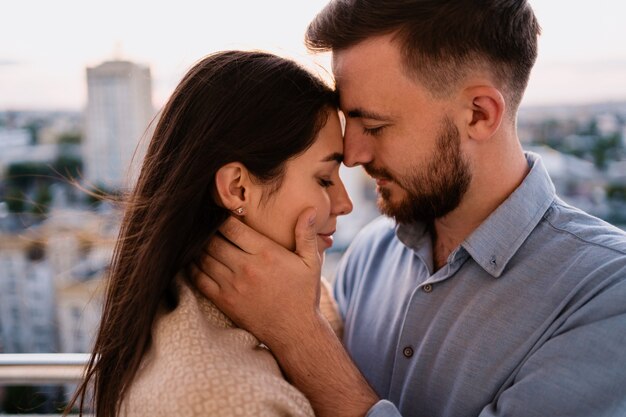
[{"x": 325, "y": 183}]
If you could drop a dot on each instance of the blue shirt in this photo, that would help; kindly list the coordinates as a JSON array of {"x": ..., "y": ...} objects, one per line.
[{"x": 528, "y": 317}]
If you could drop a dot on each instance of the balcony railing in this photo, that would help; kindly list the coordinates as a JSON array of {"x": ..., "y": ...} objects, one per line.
[{"x": 42, "y": 368}]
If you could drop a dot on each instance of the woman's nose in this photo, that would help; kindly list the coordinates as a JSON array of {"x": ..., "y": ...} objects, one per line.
[{"x": 342, "y": 204}]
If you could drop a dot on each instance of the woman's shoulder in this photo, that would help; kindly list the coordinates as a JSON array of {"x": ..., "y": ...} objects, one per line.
[
  {"x": 200, "y": 363},
  {"x": 220, "y": 390}
]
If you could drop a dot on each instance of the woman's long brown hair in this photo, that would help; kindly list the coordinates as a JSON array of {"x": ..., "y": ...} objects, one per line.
[{"x": 251, "y": 107}]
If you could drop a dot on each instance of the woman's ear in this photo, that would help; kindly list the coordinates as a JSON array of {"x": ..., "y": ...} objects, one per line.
[
  {"x": 231, "y": 181},
  {"x": 485, "y": 106}
]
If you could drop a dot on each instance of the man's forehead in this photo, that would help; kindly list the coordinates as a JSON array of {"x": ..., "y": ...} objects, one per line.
[
  {"x": 346, "y": 71},
  {"x": 336, "y": 66}
]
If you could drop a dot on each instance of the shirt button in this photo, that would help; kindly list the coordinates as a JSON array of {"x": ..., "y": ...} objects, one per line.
[
  {"x": 427, "y": 288},
  {"x": 407, "y": 351}
]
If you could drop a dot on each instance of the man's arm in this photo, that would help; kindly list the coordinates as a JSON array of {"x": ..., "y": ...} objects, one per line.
[
  {"x": 274, "y": 294},
  {"x": 580, "y": 369}
]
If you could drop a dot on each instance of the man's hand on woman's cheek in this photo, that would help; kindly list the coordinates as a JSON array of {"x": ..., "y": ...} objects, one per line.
[{"x": 263, "y": 287}]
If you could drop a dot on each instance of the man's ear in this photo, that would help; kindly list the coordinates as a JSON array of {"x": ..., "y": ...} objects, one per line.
[
  {"x": 231, "y": 181},
  {"x": 485, "y": 108}
]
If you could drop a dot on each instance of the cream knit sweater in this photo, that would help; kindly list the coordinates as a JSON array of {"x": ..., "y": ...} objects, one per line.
[{"x": 201, "y": 364}]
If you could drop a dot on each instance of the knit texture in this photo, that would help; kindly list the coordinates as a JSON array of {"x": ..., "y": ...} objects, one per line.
[{"x": 201, "y": 364}]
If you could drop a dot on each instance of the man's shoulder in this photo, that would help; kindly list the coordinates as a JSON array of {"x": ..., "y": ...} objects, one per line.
[
  {"x": 380, "y": 224},
  {"x": 586, "y": 230},
  {"x": 373, "y": 242},
  {"x": 380, "y": 231}
]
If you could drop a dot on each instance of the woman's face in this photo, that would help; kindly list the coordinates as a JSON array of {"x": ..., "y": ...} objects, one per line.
[{"x": 310, "y": 180}]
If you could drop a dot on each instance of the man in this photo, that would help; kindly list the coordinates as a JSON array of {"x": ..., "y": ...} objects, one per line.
[{"x": 488, "y": 295}]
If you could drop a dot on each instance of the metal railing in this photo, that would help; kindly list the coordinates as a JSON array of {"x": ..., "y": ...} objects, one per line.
[{"x": 42, "y": 368}]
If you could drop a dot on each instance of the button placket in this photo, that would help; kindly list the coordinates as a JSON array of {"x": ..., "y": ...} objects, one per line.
[{"x": 408, "y": 352}]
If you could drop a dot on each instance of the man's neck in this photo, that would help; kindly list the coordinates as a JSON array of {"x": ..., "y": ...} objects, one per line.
[{"x": 491, "y": 185}]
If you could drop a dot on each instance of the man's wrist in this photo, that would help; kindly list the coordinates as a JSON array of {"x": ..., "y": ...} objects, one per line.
[
  {"x": 314, "y": 360},
  {"x": 290, "y": 336}
]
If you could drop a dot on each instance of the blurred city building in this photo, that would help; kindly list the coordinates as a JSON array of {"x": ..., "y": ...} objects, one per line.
[
  {"x": 80, "y": 245},
  {"x": 50, "y": 284},
  {"x": 576, "y": 180},
  {"x": 79, "y": 307},
  {"x": 13, "y": 137},
  {"x": 119, "y": 110},
  {"x": 27, "y": 305}
]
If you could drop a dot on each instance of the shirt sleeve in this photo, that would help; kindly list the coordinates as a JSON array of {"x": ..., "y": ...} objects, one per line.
[
  {"x": 383, "y": 408},
  {"x": 329, "y": 309},
  {"x": 344, "y": 279},
  {"x": 338, "y": 289},
  {"x": 579, "y": 371}
]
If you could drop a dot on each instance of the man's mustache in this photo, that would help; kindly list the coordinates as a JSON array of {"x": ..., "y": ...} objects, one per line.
[{"x": 379, "y": 173}]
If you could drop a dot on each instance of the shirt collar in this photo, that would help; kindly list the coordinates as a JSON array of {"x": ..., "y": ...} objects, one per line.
[
  {"x": 417, "y": 237},
  {"x": 497, "y": 239}
]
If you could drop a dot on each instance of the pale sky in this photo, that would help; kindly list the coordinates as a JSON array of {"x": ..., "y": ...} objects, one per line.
[{"x": 46, "y": 45}]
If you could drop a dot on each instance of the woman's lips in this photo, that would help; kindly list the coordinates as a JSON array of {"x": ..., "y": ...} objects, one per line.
[{"x": 327, "y": 238}]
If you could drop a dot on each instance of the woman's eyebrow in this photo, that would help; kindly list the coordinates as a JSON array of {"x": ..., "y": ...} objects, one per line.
[{"x": 334, "y": 157}]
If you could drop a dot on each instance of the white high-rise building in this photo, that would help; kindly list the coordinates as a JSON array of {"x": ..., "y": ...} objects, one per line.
[{"x": 119, "y": 110}]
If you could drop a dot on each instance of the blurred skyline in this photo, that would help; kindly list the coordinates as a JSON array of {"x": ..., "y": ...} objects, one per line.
[{"x": 47, "y": 45}]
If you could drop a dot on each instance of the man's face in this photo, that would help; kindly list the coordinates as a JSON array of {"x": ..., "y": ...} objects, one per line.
[{"x": 403, "y": 137}]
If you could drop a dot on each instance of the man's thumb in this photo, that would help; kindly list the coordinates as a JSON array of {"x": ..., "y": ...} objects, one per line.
[{"x": 306, "y": 237}]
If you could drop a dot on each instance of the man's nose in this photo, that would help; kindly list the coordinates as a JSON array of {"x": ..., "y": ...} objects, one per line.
[{"x": 357, "y": 148}]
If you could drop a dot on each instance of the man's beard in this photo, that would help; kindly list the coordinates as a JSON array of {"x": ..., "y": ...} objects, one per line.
[{"x": 433, "y": 191}]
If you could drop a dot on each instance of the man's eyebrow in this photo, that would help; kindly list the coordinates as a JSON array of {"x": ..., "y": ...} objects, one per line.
[
  {"x": 334, "y": 157},
  {"x": 360, "y": 113}
]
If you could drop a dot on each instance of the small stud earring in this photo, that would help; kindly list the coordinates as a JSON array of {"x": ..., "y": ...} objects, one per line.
[{"x": 239, "y": 211}]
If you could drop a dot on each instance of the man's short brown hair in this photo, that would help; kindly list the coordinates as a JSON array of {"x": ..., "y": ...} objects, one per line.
[{"x": 441, "y": 40}]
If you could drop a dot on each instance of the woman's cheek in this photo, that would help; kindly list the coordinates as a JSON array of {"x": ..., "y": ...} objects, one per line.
[{"x": 324, "y": 208}]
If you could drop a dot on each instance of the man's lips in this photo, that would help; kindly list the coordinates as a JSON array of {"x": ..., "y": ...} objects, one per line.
[
  {"x": 381, "y": 176},
  {"x": 382, "y": 181}
]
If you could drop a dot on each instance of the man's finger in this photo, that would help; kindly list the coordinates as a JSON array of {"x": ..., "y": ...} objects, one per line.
[
  {"x": 306, "y": 237},
  {"x": 244, "y": 237},
  {"x": 225, "y": 252},
  {"x": 203, "y": 282},
  {"x": 217, "y": 271}
]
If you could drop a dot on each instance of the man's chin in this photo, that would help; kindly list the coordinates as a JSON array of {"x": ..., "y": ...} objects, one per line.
[
  {"x": 401, "y": 211},
  {"x": 389, "y": 199},
  {"x": 388, "y": 208}
]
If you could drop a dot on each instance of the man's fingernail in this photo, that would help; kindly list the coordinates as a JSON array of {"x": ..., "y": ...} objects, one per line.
[{"x": 312, "y": 219}]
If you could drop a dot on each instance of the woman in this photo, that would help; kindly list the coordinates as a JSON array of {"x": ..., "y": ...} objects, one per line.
[{"x": 246, "y": 134}]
